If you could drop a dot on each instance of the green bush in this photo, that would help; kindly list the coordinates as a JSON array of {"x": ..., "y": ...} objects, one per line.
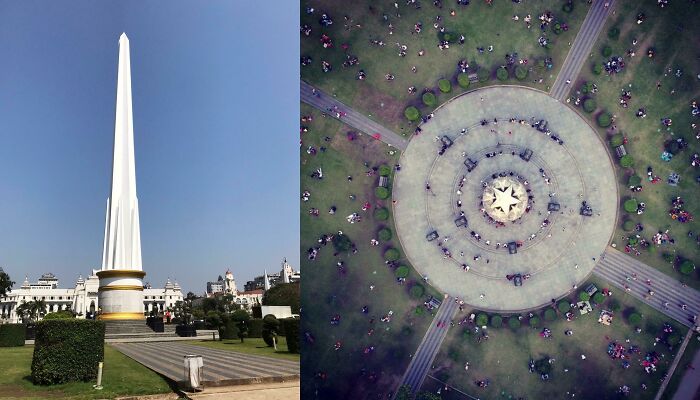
[
  {"x": 514, "y": 322},
  {"x": 668, "y": 257},
  {"x": 628, "y": 225},
  {"x": 481, "y": 319},
  {"x": 391, "y": 254},
  {"x": 617, "y": 140},
  {"x": 583, "y": 296},
  {"x": 687, "y": 267},
  {"x": 59, "y": 315},
  {"x": 420, "y": 310},
  {"x": 614, "y": 305},
  {"x": 589, "y": 105},
  {"x": 445, "y": 86},
  {"x": 520, "y": 72},
  {"x": 429, "y": 99},
  {"x": 381, "y": 214},
  {"x": 412, "y": 113},
  {"x": 384, "y": 234},
  {"x": 496, "y": 321},
  {"x": 384, "y": 170},
  {"x": 598, "y": 298},
  {"x": 270, "y": 329},
  {"x": 604, "y": 119},
  {"x": 606, "y": 51},
  {"x": 463, "y": 80},
  {"x": 255, "y": 327},
  {"x": 634, "y": 180},
  {"x": 502, "y": 74},
  {"x": 614, "y": 33},
  {"x": 597, "y": 69},
  {"x": 401, "y": 271},
  {"x": 341, "y": 243},
  {"x": 381, "y": 192},
  {"x": 564, "y": 306},
  {"x": 630, "y": 205},
  {"x": 626, "y": 161},
  {"x": 228, "y": 330},
  {"x": 633, "y": 241},
  {"x": 534, "y": 322},
  {"x": 673, "y": 339},
  {"x": 550, "y": 314},
  {"x": 291, "y": 331},
  {"x": 483, "y": 74},
  {"x": 67, "y": 350},
  {"x": 12, "y": 335},
  {"x": 417, "y": 291},
  {"x": 634, "y": 319}
]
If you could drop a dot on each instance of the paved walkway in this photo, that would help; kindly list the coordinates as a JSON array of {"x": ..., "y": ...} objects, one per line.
[
  {"x": 674, "y": 365},
  {"x": 617, "y": 266},
  {"x": 427, "y": 350},
  {"x": 357, "y": 120},
  {"x": 690, "y": 384},
  {"x": 265, "y": 391},
  {"x": 221, "y": 367},
  {"x": 581, "y": 48}
]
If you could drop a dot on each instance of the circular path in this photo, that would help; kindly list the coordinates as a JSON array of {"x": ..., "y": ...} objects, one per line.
[{"x": 445, "y": 171}]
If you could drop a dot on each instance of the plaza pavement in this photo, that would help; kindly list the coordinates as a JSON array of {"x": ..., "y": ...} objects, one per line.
[
  {"x": 323, "y": 101},
  {"x": 581, "y": 48},
  {"x": 579, "y": 170}
]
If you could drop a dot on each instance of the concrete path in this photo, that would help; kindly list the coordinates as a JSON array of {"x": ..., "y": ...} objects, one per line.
[
  {"x": 690, "y": 384},
  {"x": 221, "y": 367},
  {"x": 427, "y": 350},
  {"x": 357, "y": 120},
  {"x": 617, "y": 266},
  {"x": 674, "y": 365},
  {"x": 265, "y": 391},
  {"x": 581, "y": 48}
]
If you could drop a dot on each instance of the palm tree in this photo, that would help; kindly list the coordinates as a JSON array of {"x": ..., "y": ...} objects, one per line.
[{"x": 37, "y": 309}]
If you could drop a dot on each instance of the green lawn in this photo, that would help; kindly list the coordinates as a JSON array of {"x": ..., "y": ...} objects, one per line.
[
  {"x": 646, "y": 136},
  {"x": 122, "y": 377},
  {"x": 481, "y": 24},
  {"x": 328, "y": 291},
  {"x": 503, "y": 359},
  {"x": 252, "y": 346}
]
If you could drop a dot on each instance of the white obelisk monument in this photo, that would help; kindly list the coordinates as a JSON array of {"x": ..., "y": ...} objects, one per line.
[{"x": 121, "y": 287}]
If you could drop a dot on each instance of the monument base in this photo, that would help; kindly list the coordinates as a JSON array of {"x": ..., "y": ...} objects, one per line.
[{"x": 120, "y": 295}]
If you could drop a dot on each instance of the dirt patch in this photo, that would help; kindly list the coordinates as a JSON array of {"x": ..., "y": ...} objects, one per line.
[
  {"x": 384, "y": 108},
  {"x": 17, "y": 391}
]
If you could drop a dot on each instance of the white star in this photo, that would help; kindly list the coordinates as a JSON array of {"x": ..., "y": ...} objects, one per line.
[{"x": 504, "y": 199}]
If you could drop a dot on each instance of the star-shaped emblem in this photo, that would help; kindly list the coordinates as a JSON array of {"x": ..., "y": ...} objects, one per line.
[{"x": 504, "y": 199}]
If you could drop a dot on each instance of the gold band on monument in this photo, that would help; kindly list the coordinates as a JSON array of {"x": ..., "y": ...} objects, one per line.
[
  {"x": 120, "y": 287},
  {"x": 119, "y": 316},
  {"x": 121, "y": 273}
]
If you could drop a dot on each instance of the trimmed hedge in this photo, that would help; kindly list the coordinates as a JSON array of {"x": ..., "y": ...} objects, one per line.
[
  {"x": 520, "y": 72},
  {"x": 429, "y": 99},
  {"x": 514, "y": 322},
  {"x": 384, "y": 170},
  {"x": 67, "y": 350},
  {"x": 463, "y": 80},
  {"x": 445, "y": 86},
  {"x": 381, "y": 214},
  {"x": 589, "y": 105},
  {"x": 550, "y": 314},
  {"x": 502, "y": 74},
  {"x": 381, "y": 192},
  {"x": 59, "y": 315},
  {"x": 271, "y": 327},
  {"x": 626, "y": 161},
  {"x": 481, "y": 319},
  {"x": 635, "y": 319},
  {"x": 291, "y": 330},
  {"x": 604, "y": 119},
  {"x": 496, "y": 321},
  {"x": 617, "y": 140},
  {"x": 534, "y": 322},
  {"x": 564, "y": 306},
  {"x": 628, "y": 225},
  {"x": 391, "y": 254},
  {"x": 583, "y": 296},
  {"x": 597, "y": 69},
  {"x": 598, "y": 298},
  {"x": 630, "y": 205},
  {"x": 229, "y": 330},
  {"x": 12, "y": 335},
  {"x": 634, "y": 180},
  {"x": 384, "y": 234},
  {"x": 412, "y": 113},
  {"x": 483, "y": 74},
  {"x": 417, "y": 291},
  {"x": 606, "y": 51},
  {"x": 401, "y": 271},
  {"x": 255, "y": 327},
  {"x": 687, "y": 267}
]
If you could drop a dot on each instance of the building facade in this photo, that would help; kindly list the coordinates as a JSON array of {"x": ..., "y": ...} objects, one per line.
[{"x": 287, "y": 274}]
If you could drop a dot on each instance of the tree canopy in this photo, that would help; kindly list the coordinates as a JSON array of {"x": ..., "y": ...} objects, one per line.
[{"x": 283, "y": 294}]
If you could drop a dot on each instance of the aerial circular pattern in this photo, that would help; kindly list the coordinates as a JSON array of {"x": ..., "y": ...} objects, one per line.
[{"x": 497, "y": 185}]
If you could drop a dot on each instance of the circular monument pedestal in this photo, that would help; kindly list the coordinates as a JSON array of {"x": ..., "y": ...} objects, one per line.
[{"x": 120, "y": 294}]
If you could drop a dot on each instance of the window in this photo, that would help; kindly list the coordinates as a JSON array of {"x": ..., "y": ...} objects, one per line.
[
  {"x": 60, "y": 297},
  {"x": 51, "y": 297},
  {"x": 171, "y": 297},
  {"x": 161, "y": 297}
]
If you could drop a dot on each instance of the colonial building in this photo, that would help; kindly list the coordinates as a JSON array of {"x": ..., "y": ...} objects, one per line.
[
  {"x": 82, "y": 300},
  {"x": 227, "y": 285},
  {"x": 286, "y": 275}
]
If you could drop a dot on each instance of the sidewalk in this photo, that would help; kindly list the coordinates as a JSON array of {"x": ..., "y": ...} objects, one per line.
[{"x": 264, "y": 391}]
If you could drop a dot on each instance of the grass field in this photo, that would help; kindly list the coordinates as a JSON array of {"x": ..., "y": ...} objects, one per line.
[
  {"x": 328, "y": 291},
  {"x": 673, "y": 37},
  {"x": 482, "y": 25},
  {"x": 503, "y": 359},
  {"x": 252, "y": 346},
  {"x": 122, "y": 377},
  {"x": 690, "y": 351}
]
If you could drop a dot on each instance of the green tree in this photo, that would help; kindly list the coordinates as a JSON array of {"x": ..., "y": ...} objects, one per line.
[
  {"x": 283, "y": 294},
  {"x": 342, "y": 243},
  {"x": 429, "y": 99},
  {"x": 463, "y": 80},
  {"x": 687, "y": 267},
  {"x": 626, "y": 161},
  {"x": 630, "y": 205},
  {"x": 617, "y": 140},
  {"x": 271, "y": 326},
  {"x": 214, "y": 320},
  {"x": 445, "y": 85},
  {"x": 412, "y": 113},
  {"x": 502, "y": 73},
  {"x": 241, "y": 318},
  {"x": 404, "y": 393},
  {"x": 5, "y": 283}
]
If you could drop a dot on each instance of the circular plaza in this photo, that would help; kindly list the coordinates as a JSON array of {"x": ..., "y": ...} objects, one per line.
[{"x": 505, "y": 199}]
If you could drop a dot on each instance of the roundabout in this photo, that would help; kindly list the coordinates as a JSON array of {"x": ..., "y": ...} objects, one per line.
[{"x": 505, "y": 181}]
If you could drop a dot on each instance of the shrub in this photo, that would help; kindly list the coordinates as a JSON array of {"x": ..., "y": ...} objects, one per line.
[
  {"x": 630, "y": 205},
  {"x": 687, "y": 267},
  {"x": 520, "y": 72},
  {"x": 633, "y": 241},
  {"x": 634, "y": 319},
  {"x": 381, "y": 192},
  {"x": 628, "y": 225},
  {"x": 597, "y": 69},
  {"x": 673, "y": 339},
  {"x": 568, "y": 7},
  {"x": 391, "y": 254},
  {"x": 668, "y": 257},
  {"x": 412, "y": 113},
  {"x": 583, "y": 296},
  {"x": 381, "y": 214},
  {"x": 384, "y": 170},
  {"x": 12, "y": 335},
  {"x": 59, "y": 315},
  {"x": 589, "y": 105},
  {"x": 384, "y": 234},
  {"x": 606, "y": 51},
  {"x": 420, "y": 310},
  {"x": 270, "y": 329},
  {"x": 502, "y": 74},
  {"x": 617, "y": 140},
  {"x": 255, "y": 327},
  {"x": 614, "y": 305},
  {"x": 564, "y": 306},
  {"x": 550, "y": 314},
  {"x": 291, "y": 331},
  {"x": 341, "y": 243},
  {"x": 496, "y": 321},
  {"x": 604, "y": 119},
  {"x": 481, "y": 319},
  {"x": 614, "y": 33},
  {"x": 626, "y": 161},
  {"x": 401, "y": 271},
  {"x": 463, "y": 80},
  {"x": 429, "y": 99},
  {"x": 634, "y": 180},
  {"x": 534, "y": 321},
  {"x": 598, "y": 298},
  {"x": 445, "y": 86},
  {"x": 514, "y": 322},
  {"x": 67, "y": 350},
  {"x": 483, "y": 74},
  {"x": 228, "y": 330},
  {"x": 417, "y": 291}
]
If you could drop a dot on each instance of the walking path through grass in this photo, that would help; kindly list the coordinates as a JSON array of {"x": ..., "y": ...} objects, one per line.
[
  {"x": 356, "y": 119},
  {"x": 594, "y": 22},
  {"x": 691, "y": 381},
  {"x": 673, "y": 367},
  {"x": 621, "y": 270}
]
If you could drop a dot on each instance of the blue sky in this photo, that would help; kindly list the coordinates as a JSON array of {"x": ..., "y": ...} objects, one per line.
[{"x": 215, "y": 97}]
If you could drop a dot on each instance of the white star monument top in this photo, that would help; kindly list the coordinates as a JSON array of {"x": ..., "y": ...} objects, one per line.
[
  {"x": 121, "y": 286},
  {"x": 504, "y": 199}
]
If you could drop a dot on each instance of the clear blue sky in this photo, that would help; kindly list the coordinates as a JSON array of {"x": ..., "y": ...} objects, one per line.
[{"x": 215, "y": 89}]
